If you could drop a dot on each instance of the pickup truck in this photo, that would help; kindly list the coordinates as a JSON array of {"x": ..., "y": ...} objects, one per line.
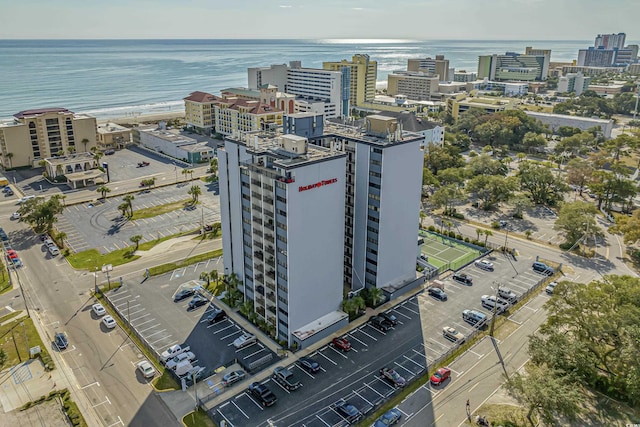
[
  {"x": 172, "y": 352},
  {"x": 187, "y": 355},
  {"x": 285, "y": 378}
]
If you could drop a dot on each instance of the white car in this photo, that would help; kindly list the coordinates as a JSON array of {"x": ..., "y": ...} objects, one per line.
[
  {"x": 53, "y": 250},
  {"x": 98, "y": 309},
  {"x": 452, "y": 334},
  {"x": 189, "y": 356},
  {"x": 146, "y": 369},
  {"x": 108, "y": 322},
  {"x": 550, "y": 287},
  {"x": 15, "y": 215},
  {"x": 484, "y": 265},
  {"x": 244, "y": 340}
]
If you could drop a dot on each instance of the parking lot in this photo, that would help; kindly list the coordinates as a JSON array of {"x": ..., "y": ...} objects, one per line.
[
  {"x": 150, "y": 309},
  {"x": 409, "y": 348},
  {"x": 101, "y": 225}
]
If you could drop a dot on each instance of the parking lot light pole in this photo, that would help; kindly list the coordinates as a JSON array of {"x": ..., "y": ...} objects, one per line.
[{"x": 495, "y": 307}]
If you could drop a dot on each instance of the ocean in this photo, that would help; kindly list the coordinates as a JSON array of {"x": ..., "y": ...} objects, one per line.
[{"x": 117, "y": 78}]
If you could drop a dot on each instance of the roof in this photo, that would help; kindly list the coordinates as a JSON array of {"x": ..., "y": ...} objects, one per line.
[
  {"x": 39, "y": 111},
  {"x": 254, "y": 106},
  {"x": 319, "y": 324},
  {"x": 409, "y": 121},
  {"x": 201, "y": 97}
]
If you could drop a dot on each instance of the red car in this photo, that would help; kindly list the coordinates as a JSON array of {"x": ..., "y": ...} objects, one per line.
[
  {"x": 12, "y": 254},
  {"x": 341, "y": 343},
  {"x": 440, "y": 376}
]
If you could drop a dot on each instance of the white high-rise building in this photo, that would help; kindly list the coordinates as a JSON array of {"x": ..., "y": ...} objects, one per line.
[
  {"x": 610, "y": 41},
  {"x": 282, "y": 208}
]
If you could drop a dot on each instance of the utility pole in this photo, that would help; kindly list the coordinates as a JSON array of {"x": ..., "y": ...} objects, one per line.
[{"x": 495, "y": 308}]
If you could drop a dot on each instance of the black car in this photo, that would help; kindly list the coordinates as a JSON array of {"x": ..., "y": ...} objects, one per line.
[
  {"x": 197, "y": 301},
  {"x": 308, "y": 364},
  {"x": 437, "y": 293},
  {"x": 463, "y": 278},
  {"x": 183, "y": 294},
  {"x": 263, "y": 394},
  {"x": 379, "y": 323},
  {"x": 61, "y": 341},
  {"x": 216, "y": 315},
  {"x": 348, "y": 411},
  {"x": 389, "y": 318}
]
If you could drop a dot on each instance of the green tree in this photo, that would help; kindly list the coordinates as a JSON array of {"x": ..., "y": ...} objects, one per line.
[
  {"x": 103, "y": 190},
  {"x": 479, "y": 232},
  {"x": 446, "y": 197},
  {"x": 123, "y": 207},
  {"x": 451, "y": 176},
  {"x": 40, "y": 214},
  {"x": 546, "y": 392},
  {"x": 128, "y": 199},
  {"x": 579, "y": 173},
  {"x": 85, "y": 141},
  {"x": 60, "y": 237},
  {"x": 491, "y": 189},
  {"x": 575, "y": 144},
  {"x": 628, "y": 226},
  {"x": 438, "y": 158},
  {"x": 533, "y": 140},
  {"x": 214, "y": 277},
  {"x": 540, "y": 183},
  {"x": 577, "y": 220},
  {"x": 205, "y": 276},
  {"x": 520, "y": 203},
  {"x": 3, "y": 357},
  {"x": 487, "y": 233},
  {"x": 353, "y": 306},
  {"x": 195, "y": 191},
  {"x": 136, "y": 240},
  {"x": 246, "y": 308},
  {"x": 485, "y": 165},
  {"x": 622, "y": 145}
]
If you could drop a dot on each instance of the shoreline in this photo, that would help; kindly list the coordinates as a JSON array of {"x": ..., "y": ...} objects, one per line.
[{"x": 143, "y": 118}]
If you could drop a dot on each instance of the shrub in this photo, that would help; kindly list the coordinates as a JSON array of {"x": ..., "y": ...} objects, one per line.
[
  {"x": 452, "y": 234},
  {"x": 457, "y": 215},
  {"x": 517, "y": 215},
  {"x": 431, "y": 228},
  {"x": 495, "y": 224},
  {"x": 459, "y": 236},
  {"x": 466, "y": 239},
  {"x": 565, "y": 245}
]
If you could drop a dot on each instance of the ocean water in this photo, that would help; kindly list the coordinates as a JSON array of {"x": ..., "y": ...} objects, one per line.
[{"x": 116, "y": 78}]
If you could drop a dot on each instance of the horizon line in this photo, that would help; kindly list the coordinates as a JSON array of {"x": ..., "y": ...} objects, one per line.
[{"x": 378, "y": 39}]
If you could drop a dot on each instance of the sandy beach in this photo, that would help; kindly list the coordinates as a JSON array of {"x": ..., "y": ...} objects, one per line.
[{"x": 144, "y": 118}]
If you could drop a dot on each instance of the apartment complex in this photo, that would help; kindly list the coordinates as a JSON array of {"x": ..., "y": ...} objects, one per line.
[
  {"x": 414, "y": 85},
  {"x": 464, "y": 76},
  {"x": 282, "y": 208},
  {"x": 461, "y": 103},
  {"x": 573, "y": 83},
  {"x": 42, "y": 133},
  {"x": 315, "y": 90},
  {"x": 359, "y": 76},
  {"x": 610, "y": 41},
  {"x": 514, "y": 66},
  {"x": 438, "y": 66},
  {"x": 112, "y": 135},
  {"x": 608, "y": 50},
  {"x": 209, "y": 113}
]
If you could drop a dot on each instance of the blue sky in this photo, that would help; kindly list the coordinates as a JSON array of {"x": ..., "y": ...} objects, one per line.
[{"x": 312, "y": 19}]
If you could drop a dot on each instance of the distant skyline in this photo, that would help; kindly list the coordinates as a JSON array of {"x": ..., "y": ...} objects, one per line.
[{"x": 324, "y": 19}]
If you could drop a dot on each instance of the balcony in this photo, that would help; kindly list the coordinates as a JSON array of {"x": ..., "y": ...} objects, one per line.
[
  {"x": 257, "y": 220},
  {"x": 271, "y": 286},
  {"x": 272, "y": 274},
  {"x": 269, "y": 238},
  {"x": 258, "y": 254},
  {"x": 269, "y": 249}
]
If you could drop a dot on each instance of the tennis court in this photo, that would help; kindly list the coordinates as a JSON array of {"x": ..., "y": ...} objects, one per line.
[{"x": 445, "y": 253}]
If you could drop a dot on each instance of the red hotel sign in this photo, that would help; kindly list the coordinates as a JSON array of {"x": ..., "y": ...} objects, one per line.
[{"x": 317, "y": 184}]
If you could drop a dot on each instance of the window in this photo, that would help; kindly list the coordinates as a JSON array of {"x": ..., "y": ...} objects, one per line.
[
  {"x": 282, "y": 299},
  {"x": 373, "y": 251},
  {"x": 372, "y": 218},
  {"x": 281, "y": 225},
  {"x": 281, "y": 212},
  {"x": 375, "y": 174},
  {"x": 374, "y": 208},
  {"x": 376, "y": 162},
  {"x": 372, "y": 262},
  {"x": 373, "y": 185},
  {"x": 374, "y": 196},
  {"x": 377, "y": 150},
  {"x": 283, "y": 239},
  {"x": 281, "y": 199},
  {"x": 368, "y": 270},
  {"x": 372, "y": 240}
]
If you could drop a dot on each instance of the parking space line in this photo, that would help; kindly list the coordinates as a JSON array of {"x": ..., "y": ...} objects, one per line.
[
  {"x": 151, "y": 327},
  {"x": 238, "y": 408},
  {"x": 401, "y": 314},
  {"x": 368, "y": 325},
  {"x": 303, "y": 370},
  {"x": 251, "y": 399},
  {"x": 121, "y": 297},
  {"x": 339, "y": 352},
  {"x": 411, "y": 360},
  {"x": 165, "y": 346},
  {"x": 227, "y": 336},
  {"x": 402, "y": 366},
  {"x": 223, "y": 329},
  {"x": 163, "y": 338},
  {"x": 330, "y": 360},
  {"x": 325, "y": 423},
  {"x": 228, "y": 422},
  {"x": 253, "y": 354},
  {"x": 147, "y": 321},
  {"x": 375, "y": 391},
  {"x": 129, "y": 314},
  {"x": 155, "y": 333},
  {"x": 351, "y": 335},
  {"x": 357, "y": 394}
]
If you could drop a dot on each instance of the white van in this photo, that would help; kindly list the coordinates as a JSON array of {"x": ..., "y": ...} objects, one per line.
[
  {"x": 490, "y": 302},
  {"x": 25, "y": 198},
  {"x": 53, "y": 250}
]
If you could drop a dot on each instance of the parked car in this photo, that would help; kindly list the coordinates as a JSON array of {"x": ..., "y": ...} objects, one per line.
[
  {"x": 6, "y": 188},
  {"x": 109, "y": 152},
  {"x": 262, "y": 393},
  {"x": 507, "y": 295},
  {"x": 491, "y": 302},
  {"x": 197, "y": 301},
  {"x": 61, "y": 341},
  {"x": 452, "y": 334},
  {"x": 216, "y": 315},
  {"x": 187, "y": 355},
  {"x": 389, "y": 418},
  {"x": 440, "y": 376},
  {"x": 541, "y": 267},
  {"x": 53, "y": 250},
  {"x": 98, "y": 309},
  {"x": 146, "y": 369},
  {"x": 12, "y": 254},
  {"x": 389, "y": 318},
  {"x": 15, "y": 215},
  {"x": 393, "y": 377},
  {"x": 308, "y": 364},
  {"x": 348, "y": 411},
  {"x": 463, "y": 278},
  {"x": 437, "y": 293},
  {"x": 474, "y": 317},
  {"x": 233, "y": 377},
  {"x": 9, "y": 192},
  {"x": 109, "y": 322},
  {"x": 484, "y": 265},
  {"x": 244, "y": 340},
  {"x": 379, "y": 323},
  {"x": 341, "y": 343},
  {"x": 172, "y": 351},
  {"x": 183, "y": 294},
  {"x": 143, "y": 164},
  {"x": 550, "y": 288}
]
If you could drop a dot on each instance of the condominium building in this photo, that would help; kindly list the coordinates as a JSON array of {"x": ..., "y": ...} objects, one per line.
[
  {"x": 267, "y": 94},
  {"x": 593, "y": 57},
  {"x": 414, "y": 85},
  {"x": 464, "y": 76},
  {"x": 360, "y": 76},
  {"x": 513, "y": 66},
  {"x": 610, "y": 41},
  {"x": 282, "y": 208},
  {"x": 199, "y": 111},
  {"x": 43, "y": 133},
  {"x": 433, "y": 66},
  {"x": 573, "y": 82},
  {"x": 383, "y": 184}
]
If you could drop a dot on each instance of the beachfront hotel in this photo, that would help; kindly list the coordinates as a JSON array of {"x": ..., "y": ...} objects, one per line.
[
  {"x": 44, "y": 133},
  {"x": 359, "y": 79}
]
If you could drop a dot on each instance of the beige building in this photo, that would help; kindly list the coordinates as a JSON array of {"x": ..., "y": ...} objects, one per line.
[
  {"x": 438, "y": 66},
  {"x": 461, "y": 103},
  {"x": 414, "y": 85},
  {"x": 46, "y": 132},
  {"x": 362, "y": 76},
  {"x": 80, "y": 169},
  {"x": 112, "y": 135},
  {"x": 198, "y": 111}
]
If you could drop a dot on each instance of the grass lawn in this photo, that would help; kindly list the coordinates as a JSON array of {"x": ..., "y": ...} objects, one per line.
[
  {"x": 4, "y": 279},
  {"x": 160, "y": 209},
  {"x": 16, "y": 339},
  {"x": 9, "y": 316},
  {"x": 197, "y": 418},
  {"x": 166, "y": 382},
  {"x": 164, "y": 268}
]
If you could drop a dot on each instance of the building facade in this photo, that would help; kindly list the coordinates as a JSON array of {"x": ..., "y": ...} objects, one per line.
[
  {"x": 514, "y": 66},
  {"x": 199, "y": 111},
  {"x": 362, "y": 75},
  {"x": 461, "y": 103},
  {"x": 554, "y": 121},
  {"x": 282, "y": 209},
  {"x": 43, "y": 133},
  {"x": 573, "y": 82},
  {"x": 414, "y": 85},
  {"x": 112, "y": 135},
  {"x": 433, "y": 66},
  {"x": 464, "y": 76},
  {"x": 610, "y": 41},
  {"x": 171, "y": 143}
]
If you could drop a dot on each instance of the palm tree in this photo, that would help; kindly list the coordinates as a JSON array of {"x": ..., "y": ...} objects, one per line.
[
  {"x": 136, "y": 239},
  {"x": 205, "y": 276},
  {"x": 103, "y": 190},
  {"x": 521, "y": 157},
  {"x": 487, "y": 233},
  {"x": 478, "y": 233},
  {"x": 184, "y": 172},
  {"x": 9, "y": 157},
  {"x": 195, "y": 192},
  {"x": 71, "y": 150},
  {"x": 85, "y": 141},
  {"x": 213, "y": 275},
  {"x": 61, "y": 236},
  {"x": 123, "y": 207},
  {"x": 376, "y": 296},
  {"x": 213, "y": 165},
  {"x": 96, "y": 156},
  {"x": 246, "y": 308},
  {"x": 128, "y": 199},
  {"x": 528, "y": 234}
]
